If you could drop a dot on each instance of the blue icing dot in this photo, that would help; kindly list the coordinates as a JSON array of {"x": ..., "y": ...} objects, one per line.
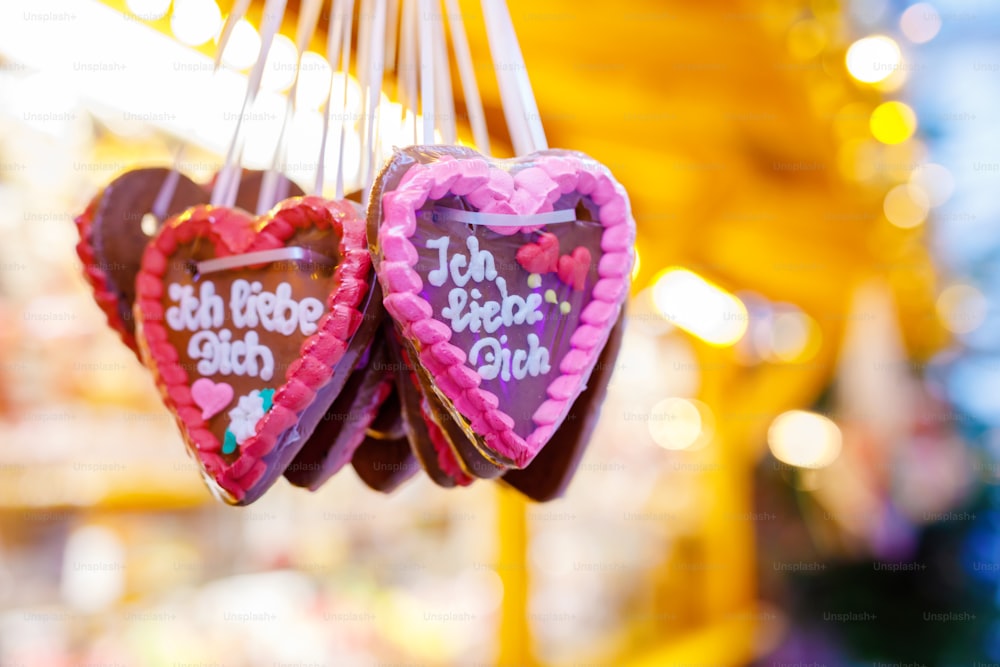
[
  {"x": 268, "y": 398},
  {"x": 229, "y": 444}
]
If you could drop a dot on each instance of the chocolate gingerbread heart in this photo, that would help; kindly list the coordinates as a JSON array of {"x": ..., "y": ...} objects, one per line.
[
  {"x": 271, "y": 306},
  {"x": 385, "y": 459},
  {"x": 548, "y": 476},
  {"x": 507, "y": 350},
  {"x": 346, "y": 422},
  {"x": 113, "y": 234},
  {"x": 428, "y": 441},
  {"x": 112, "y": 238}
]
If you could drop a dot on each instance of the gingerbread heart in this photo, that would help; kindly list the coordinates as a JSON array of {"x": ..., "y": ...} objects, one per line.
[
  {"x": 548, "y": 476},
  {"x": 428, "y": 441},
  {"x": 384, "y": 460},
  {"x": 271, "y": 306},
  {"x": 507, "y": 351},
  {"x": 113, "y": 236},
  {"x": 345, "y": 424},
  {"x": 118, "y": 223}
]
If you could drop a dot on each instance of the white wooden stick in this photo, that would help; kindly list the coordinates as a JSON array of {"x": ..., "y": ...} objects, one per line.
[
  {"x": 227, "y": 182},
  {"x": 274, "y": 187},
  {"x": 467, "y": 77},
  {"x": 426, "y": 71},
  {"x": 444, "y": 102}
]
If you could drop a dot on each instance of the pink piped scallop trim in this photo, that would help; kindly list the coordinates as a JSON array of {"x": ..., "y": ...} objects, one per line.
[
  {"x": 232, "y": 233},
  {"x": 550, "y": 178}
]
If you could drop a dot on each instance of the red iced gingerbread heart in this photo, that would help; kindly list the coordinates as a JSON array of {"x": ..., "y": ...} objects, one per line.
[
  {"x": 573, "y": 268},
  {"x": 507, "y": 349},
  {"x": 116, "y": 226},
  {"x": 541, "y": 256},
  {"x": 271, "y": 306},
  {"x": 113, "y": 236}
]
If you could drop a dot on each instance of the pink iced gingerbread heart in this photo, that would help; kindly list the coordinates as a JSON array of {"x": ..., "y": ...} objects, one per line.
[
  {"x": 251, "y": 327},
  {"x": 507, "y": 347}
]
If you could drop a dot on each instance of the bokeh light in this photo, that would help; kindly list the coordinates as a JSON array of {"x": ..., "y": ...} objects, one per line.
[
  {"x": 194, "y": 22},
  {"x": 314, "y": 81},
  {"x": 242, "y": 47},
  {"x": 148, "y": 10},
  {"x": 679, "y": 423},
  {"x": 806, "y": 39},
  {"x": 873, "y": 58},
  {"x": 700, "y": 307},
  {"x": 906, "y": 206},
  {"x": 962, "y": 308},
  {"x": 920, "y": 22},
  {"x": 279, "y": 70},
  {"x": 935, "y": 180},
  {"x": 804, "y": 439},
  {"x": 893, "y": 122}
]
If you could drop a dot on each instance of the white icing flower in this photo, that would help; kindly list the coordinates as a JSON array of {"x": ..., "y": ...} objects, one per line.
[{"x": 246, "y": 414}]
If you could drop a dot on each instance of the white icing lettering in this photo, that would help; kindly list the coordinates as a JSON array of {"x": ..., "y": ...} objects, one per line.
[
  {"x": 466, "y": 309},
  {"x": 217, "y": 354},
  {"x": 250, "y": 306}
]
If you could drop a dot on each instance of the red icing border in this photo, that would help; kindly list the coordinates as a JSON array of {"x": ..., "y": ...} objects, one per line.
[
  {"x": 96, "y": 277},
  {"x": 233, "y": 232},
  {"x": 563, "y": 174}
]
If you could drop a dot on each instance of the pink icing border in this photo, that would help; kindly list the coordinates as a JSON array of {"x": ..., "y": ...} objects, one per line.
[
  {"x": 533, "y": 189},
  {"x": 234, "y": 232}
]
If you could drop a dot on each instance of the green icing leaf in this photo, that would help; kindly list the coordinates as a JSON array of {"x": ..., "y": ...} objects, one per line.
[
  {"x": 229, "y": 444},
  {"x": 268, "y": 397}
]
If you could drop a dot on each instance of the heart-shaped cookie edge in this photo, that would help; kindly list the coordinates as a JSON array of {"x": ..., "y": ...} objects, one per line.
[
  {"x": 319, "y": 353},
  {"x": 414, "y": 314}
]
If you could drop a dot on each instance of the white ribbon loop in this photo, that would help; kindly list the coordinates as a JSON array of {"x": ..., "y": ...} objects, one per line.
[{"x": 292, "y": 254}]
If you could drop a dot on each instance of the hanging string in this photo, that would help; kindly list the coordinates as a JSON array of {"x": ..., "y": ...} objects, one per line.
[
  {"x": 467, "y": 77},
  {"x": 274, "y": 187},
  {"x": 371, "y": 153},
  {"x": 161, "y": 205},
  {"x": 427, "y": 97},
  {"x": 520, "y": 108},
  {"x": 408, "y": 64},
  {"x": 338, "y": 46},
  {"x": 443, "y": 103},
  {"x": 227, "y": 182}
]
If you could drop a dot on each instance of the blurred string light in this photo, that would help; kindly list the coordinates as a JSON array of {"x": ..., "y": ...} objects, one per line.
[
  {"x": 242, "y": 47},
  {"x": 806, "y": 39},
  {"x": 279, "y": 69},
  {"x": 936, "y": 182},
  {"x": 920, "y": 23},
  {"x": 194, "y": 22},
  {"x": 874, "y": 58},
  {"x": 777, "y": 333},
  {"x": 804, "y": 439},
  {"x": 148, "y": 10},
  {"x": 962, "y": 308},
  {"x": 906, "y": 206},
  {"x": 314, "y": 79},
  {"x": 893, "y": 122},
  {"x": 680, "y": 423},
  {"x": 700, "y": 307}
]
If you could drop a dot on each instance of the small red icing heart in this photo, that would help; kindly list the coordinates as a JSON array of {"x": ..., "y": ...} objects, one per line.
[
  {"x": 541, "y": 256},
  {"x": 573, "y": 268},
  {"x": 210, "y": 396}
]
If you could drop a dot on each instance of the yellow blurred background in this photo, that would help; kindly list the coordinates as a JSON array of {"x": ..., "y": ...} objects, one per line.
[{"x": 785, "y": 289}]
